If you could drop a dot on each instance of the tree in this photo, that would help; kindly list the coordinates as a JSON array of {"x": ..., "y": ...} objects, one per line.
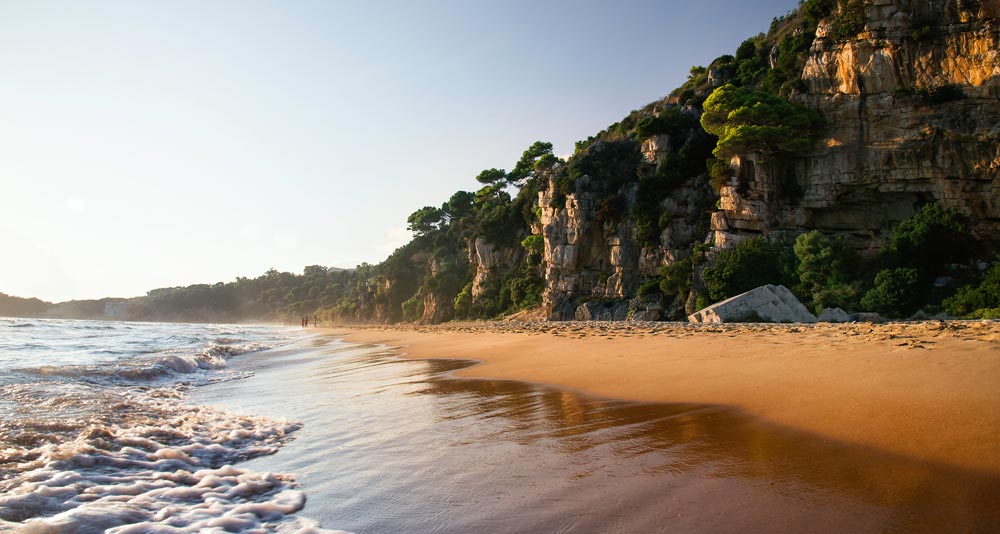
[
  {"x": 929, "y": 240},
  {"x": 536, "y": 158},
  {"x": 895, "y": 294},
  {"x": 754, "y": 121},
  {"x": 459, "y": 205},
  {"x": 424, "y": 220},
  {"x": 492, "y": 176}
]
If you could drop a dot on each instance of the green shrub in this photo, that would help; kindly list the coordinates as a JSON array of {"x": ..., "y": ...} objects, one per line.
[
  {"x": 533, "y": 243},
  {"x": 676, "y": 277},
  {"x": 929, "y": 240},
  {"x": 826, "y": 271},
  {"x": 719, "y": 174},
  {"x": 673, "y": 121},
  {"x": 463, "y": 302},
  {"x": 896, "y": 293},
  {"x": 413, "y": 308},
  {"x": 850, "y": 20},
  {"x": 750, "y": 264},
  {"x": 977, "y": 300},
  {"x": 526, "y": 291}
]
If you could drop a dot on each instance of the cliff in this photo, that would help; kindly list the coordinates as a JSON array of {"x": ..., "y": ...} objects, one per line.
[{"x": 912, "y": 104}]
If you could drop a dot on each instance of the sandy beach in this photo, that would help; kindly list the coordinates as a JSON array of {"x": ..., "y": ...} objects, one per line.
[{"x": 928, "y": 391}]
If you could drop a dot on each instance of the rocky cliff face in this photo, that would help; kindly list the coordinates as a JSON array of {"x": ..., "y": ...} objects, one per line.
[
  {"x": 599, "y": 261},
  {"x": 490, "y": 261},
  {"x": 913, "y": 105},
  {"x": 584, "y": 257},
  {"x": 913, "y": 111}
]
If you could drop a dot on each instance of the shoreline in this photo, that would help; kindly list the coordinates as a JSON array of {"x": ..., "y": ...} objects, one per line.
[{"x": 929, "y": 391}]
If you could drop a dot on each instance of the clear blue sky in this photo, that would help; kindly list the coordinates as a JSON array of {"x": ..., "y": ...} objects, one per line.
[{"x": 153, "y": 144}]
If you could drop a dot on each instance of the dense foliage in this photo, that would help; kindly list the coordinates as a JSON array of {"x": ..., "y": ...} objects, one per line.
[
  {"x": 927, "y": 257},
  {"x": 827, "y": 272},
  {"x": 749, "y": 264},
  {"x": 754, "y": 121},
  {"x": 978, "y": 300},
  {"x": 936, "y": 242}
]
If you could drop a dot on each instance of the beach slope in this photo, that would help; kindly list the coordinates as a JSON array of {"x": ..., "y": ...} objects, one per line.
[{"x": 930, "y": 391}]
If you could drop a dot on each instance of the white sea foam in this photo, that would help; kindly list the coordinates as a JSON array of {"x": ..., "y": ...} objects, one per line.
[
  {"x": 95, "y": 436},
  {"x": 164, "y": 467}
]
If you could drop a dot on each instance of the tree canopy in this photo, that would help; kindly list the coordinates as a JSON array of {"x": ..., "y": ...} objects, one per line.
[{"x": 754, "y": 121}]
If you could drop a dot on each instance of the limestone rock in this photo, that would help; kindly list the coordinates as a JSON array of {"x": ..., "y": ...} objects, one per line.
[
  {"x": 891, "y": 145},
  {"x": 770, "y": 303},
  {"x": 834, "y": 315},
  {"x": 585, "y": 258},
  {"x": 490, "y": 260}
]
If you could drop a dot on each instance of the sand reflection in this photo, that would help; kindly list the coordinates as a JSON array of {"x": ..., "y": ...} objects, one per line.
[{"x": 392, "y": 445}]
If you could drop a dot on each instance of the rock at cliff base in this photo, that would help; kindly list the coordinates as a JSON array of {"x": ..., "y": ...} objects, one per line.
[
  {"x": 765, "y": 304},
  {"x": 834, "y": 315},
  {"x": 866, "y": 317}
]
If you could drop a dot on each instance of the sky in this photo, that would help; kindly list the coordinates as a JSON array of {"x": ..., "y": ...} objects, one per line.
[{"x": 156, "y": 144}]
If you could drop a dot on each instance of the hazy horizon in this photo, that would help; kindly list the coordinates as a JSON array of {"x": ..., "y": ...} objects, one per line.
[{"x": 149, "y": 145}]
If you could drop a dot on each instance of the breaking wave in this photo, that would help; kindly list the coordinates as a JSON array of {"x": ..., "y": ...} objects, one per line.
[{"x": 96, "y": 437}]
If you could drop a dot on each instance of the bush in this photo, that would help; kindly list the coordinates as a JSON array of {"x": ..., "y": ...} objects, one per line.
[
  {"x": 672, "y": 121},
  {"x": 526, "y": 291},
  {"x": 850, "y": 20},
  {"x": 896, "y": 293},
  {"x": 413, "y": 308},
  {"x": 750, "y": 264},
  {"x": 719, "y": 174},
  {"x": 463, "y": 302},
  {"x": 825, "y": 271},
  {"x": 676, "y": 277},
  {"x": 533, "y": 243},
  {"x": 978, "y": 301},
  {"x": 609, "y": 163},
  {"x": 929, "y": 240}
]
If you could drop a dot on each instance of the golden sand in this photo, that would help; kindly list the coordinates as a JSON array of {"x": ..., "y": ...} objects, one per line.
[{"x": 930, "y": 390}]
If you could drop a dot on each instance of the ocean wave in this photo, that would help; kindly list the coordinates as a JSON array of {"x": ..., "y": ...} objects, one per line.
[
  {"x": 148, "y": 369},
  {"x": 160, "y": 467}
]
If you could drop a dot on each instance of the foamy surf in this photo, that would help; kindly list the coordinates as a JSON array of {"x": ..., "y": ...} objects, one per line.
[{"x": 108, "y": 445}]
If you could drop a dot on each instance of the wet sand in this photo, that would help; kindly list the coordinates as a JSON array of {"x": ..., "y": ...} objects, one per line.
[
  {"x": 925, "y": 391},
  {"x": 394, "y": 445}
]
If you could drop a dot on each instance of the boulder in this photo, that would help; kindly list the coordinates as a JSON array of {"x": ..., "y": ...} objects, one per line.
[
  {"x": 765, "y": 304},
  {"x": 866, "y": 317},
  {"x": 834, "y": 315}
]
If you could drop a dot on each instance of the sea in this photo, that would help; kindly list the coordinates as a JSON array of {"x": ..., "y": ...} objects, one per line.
[
  {"x": 96, "y": 436},
  {"x": 125, "y": 427}
]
